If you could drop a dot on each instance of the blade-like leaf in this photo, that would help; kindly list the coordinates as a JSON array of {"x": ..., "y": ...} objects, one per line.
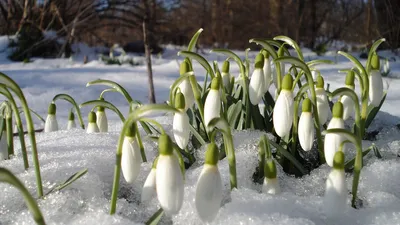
[
  {"x": 193, "y": 41},
  {"x": 70, "y": 180},
  {"x": 155, "y": 218},
  {"x": 200, "y": 59},
  {"x": 292, "y": 43},
  {"x": 290, "y": 157},
  {"x": 71, "y": 100},
  {"x": 372, "y": 111},
  {"x": 114, "y": 85},
  {"x": 104, "y": 104},
  {"x": 318, "y": 62}
]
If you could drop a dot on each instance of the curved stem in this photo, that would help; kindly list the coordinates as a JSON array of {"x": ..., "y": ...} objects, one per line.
[
  {"x": 71, "y": 100},
  {"x": 105, "y": 91},
  {"x": 105, "y": 104}
]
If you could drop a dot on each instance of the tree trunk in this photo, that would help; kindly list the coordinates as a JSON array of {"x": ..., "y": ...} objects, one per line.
[{"x": 152, "y": 97}]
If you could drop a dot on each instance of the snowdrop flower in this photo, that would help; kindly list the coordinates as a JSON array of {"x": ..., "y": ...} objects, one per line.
[
  {"x": 306, "y": 126},
  {"x": 209, "y": 187},
  {"x": 131, "y": 158},
  {"x": 212, "y": 106},
  {"x": 257, "y": 85},
  {"x": 185, "y": 86},
  {"x": 71, "y": 121},
  {"x": 322, "y": 101},
  {"x": 3, "y": 143},
  {"x": 348, "y": 104},
  {"x": 169, "y": 178},
  {"x": 101, "y": 120},
  {"x": 271, "y": 184},
  {"x": 267, "y": 72},
  {"x": 375, "y": 82},
  {"x": 180, "y": 125},
  {"x": 51, "y": 120},
  {"x": 149, "y": 187},
  {"x": 335, "y": 197},
  {"x": 92, "y": 126},
  {"x": 226, "y": 77},
  {"x": 283, "y": 110},
  {"x": 333, "y": 141},
  {"x": 386, "y": 67},
  {"x": 314, "y": 74}
]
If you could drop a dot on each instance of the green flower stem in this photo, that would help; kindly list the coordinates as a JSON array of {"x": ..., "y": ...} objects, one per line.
[
  {"x": 71, "y": 100},
  {"x": 7, "y": 177},
  {"x": 4, "y": 91},
  {"x": 297, "y": 100},
  {"x": 104, "y": 104},
  {"x": 105, "y": 91},
  {"x": 140, "y": 143},
  {"x": 114, "y": 85},
  {"x": 31, "y": 130},
  {"x": 132, "y": 118},
  {"x": 10, "y": 136},
  {"x": 358, "y": 163}
]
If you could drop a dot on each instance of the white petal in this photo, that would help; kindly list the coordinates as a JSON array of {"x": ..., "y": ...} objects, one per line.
[
  {"x": 348, "y": 106},
  {"x": 149, "y": 187},
  {"x": 51, "y": 123},
  {"x": 92, "y": 128},
  {"x": 131, "y": 159},
  {"x": 314, "y": 74},
  {"x": 101, "y": 120},
  {"x": 187, "y": 91},
  {"x": 322, "y": 105},
  {"x": 267, "y": 74},
  {"x": 256, "y": 86},
  {"x": 3, "y": 147},
  {"x": 333, "y": 141},
  {"x": 283, "y": 113},
  {"x": 71, "y": 124},
  {"x": 208, "y": 193},
  {"x": 306, "y": 131},
  {"x": 335, "y": 198},
  {"x": 212, "y": 106},
  {"x": 169, "y": 184},
  {"x": 181, "y": 129},
  {"x": 226, "y": 79},
  {"x": 271, "y": 186},
  {"x": 375, "y": 88}
]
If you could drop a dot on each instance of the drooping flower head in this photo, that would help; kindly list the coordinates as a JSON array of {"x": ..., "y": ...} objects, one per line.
[
  {"x": 131, "y": 158},
  {"x": 180, "y": 125},
  {"x": 149, "y": 187},
  {"x": 306, "y": 126},
  {"x": 212, "y": 106},
  {"x": 375, "y": 82},
  {"x": 271, "y": 183},
  {"x": 267, "y": 71},
  {"x": 101, "y": 119},
  {"x": 348, "y": 104},
  {"x": 92, "y": 126},
  {"x": 226, "y": 77},
  {"x": 185, "y": 86},
  {"x": 322, "y": 100},
  {"x": 333, "y": 141},
  {"x": 257, "y": 83},
  {"x": 71, "y": 121},
  {"x": 169, "y": 178},
  {"x": 335, "y": 197},
  {"x": 283, "y": 110},
  {"x": 51, "y": 120},
  {"x": 209, "y": 186}
]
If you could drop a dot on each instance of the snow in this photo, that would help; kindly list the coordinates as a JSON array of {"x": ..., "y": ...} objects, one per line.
[{"x": 87, "y": 200}]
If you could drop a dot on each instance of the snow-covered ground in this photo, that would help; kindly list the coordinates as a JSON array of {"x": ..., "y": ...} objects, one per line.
[{"x": 87, "y": 200}]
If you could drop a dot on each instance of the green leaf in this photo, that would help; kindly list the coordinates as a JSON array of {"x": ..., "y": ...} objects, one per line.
[
  {"x": 7, "y": 177},
  {"x": 21, "y": 110},
  {"x": 197, "y": 135},
  {"x": 349, "y": 164},
  {"x": 155, "y": 218},
  {"x": 295, "y": 61},
  {"x": 114, "y": 85},
  {"x": 290, "y": 157},
  {"x": 234, "y": 112},
  {"x": 232, "y": 55},
  {"x": 104, "y": 104},
  {"x": 71, "y": 100},
  {"x": 200, "y": 59},
  {"x": 318, "y": 62},
  {"x": 193, "y": 41},
  {"x": 70, "y": 180},
  {"x": 372, "y": 111},
  {"x": 373, "y": 49},
  {"x": 266, "y": 46},
  {"x": 292, "y": 43},
  {"x": 175, "y": 86}
]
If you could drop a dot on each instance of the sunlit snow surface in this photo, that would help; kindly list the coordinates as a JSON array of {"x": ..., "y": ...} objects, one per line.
[{"x": 87, "y": 200}]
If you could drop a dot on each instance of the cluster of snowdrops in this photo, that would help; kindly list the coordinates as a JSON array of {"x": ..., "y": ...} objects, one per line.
[{"x": 300, "y": 117}]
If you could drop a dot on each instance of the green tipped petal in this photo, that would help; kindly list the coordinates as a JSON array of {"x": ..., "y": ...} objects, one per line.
[
  {"x": 212, "y": 154},
  {"x": 185, "y": 67},
  {"x": 92, "y": 117},
  {"x": 100, "y": 108},
  {"x": 337, "y": 110},
  {"x": 259, "y": 62},
  {"x": 215, "y": 83},
  {"x": 225, "y": 67},
  {"x": 179, "y": 101},
  {"x": 320, "y": 82},
  {"x": 154, "y": 166},
  {"x": 350, "y": 78},
  {"x": 287, "y": 82},
  {"x": 306, "y": 107},
  {"x": 338, "y": 160},
  {"x": 165, "y": 145},
  {"x": 131, "y": 131},
  {"x": 71, "y": 116},
  {"x": 375, "y": 64},
  {"x": 270, "y": 169},
  {"x": 266, "y": 54},
  {"x": 52, "y": 109}
]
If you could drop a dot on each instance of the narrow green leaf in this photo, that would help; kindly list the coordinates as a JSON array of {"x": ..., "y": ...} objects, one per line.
[
  {"x": 70, "y": 180},
  {"x": 155, "y": 218},
  {"x": 318, "y": 62},
  {"x": 372, "y": 111},
  {"x": 71, "y": 100},
  {"x": 292, "y": 43},
  {"x": 234, "y": 114},
  {"x": 200, "y": 59},
  {"x": 266, "y": 46},
  {"x": 290, "y": 157},
  {"x": 193, "y": 41},
  {"x": 197, "y": 135},
  {"x": 21, "y": 110}
]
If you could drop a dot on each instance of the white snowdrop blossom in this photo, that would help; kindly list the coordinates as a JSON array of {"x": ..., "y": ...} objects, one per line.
[
  {"x": 149, "y": 187},
  {"x": 271, "y": 183},
  {"x": 92, "y": 125},
  {"x": 257, "y": 83},
  {"x": 322, "y": 101},
  {"x": 101, "y": 120},
  {"x": 375, "y": 82},
  {"x": 180, "y": 124},
  {"x": 185, "y": 87},
  {"x": 212, "y": 106},
  {"x": 306, "y": 126},
  {"x": 267, "y": 73},
  {"x": 131, "y": 159},
  {"x": 226, "y": 77},
  {"x": 283, "y": 110},
  {"x": 51, "y": 123},
  {"x": 332, "y": 142}
]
